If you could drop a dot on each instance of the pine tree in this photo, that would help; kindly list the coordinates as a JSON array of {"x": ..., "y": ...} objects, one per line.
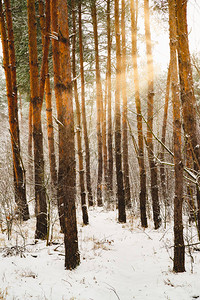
[
  {"x": 150, "y": 100},
  {"x": 124, "y": 112},
  {"x": 66, "y": 172},
  {"x": 84, "y": 119},
  {"x": 118, "y": 156},
  {"x": 99, "y": 96},
  {"x": 79, "y": 128},
  {"x": 143, "y": 196},
  {"x": 179, "y": 248},
  {"x": 11, "y": 86},
  {"x": 109, "y": 100},
  {"x": 187, "y": 90},
  {"x": 40, "y": 193}
]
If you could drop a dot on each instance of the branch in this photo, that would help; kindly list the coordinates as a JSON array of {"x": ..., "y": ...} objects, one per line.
[{"x": 189, "y": 172}]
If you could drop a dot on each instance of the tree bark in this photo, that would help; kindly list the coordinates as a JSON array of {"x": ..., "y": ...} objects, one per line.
[
  {"x": 118, "y": 156},
  {"x": 109, "y": 100},
  {"x": 57, "y": 88},
  {"x": 190, "y": 188},
  {"x": 127, "y": 190},
  {"x": 45, "y": 29},
  {"x": 40, "y": 193},
  {"x": 187, "y": 91},
  {"x": 150, "y": 100},
  {"x": 142, "y": 170},
  {"x": 84, "y": 121},
  {"x": 67, "y": 167},
  {"x": 99, "y": 97},
  {"x": 30, "y": 145},
  {"x": 162, "y": 154},
  {"x": 11, "y": 87},
  {"x": 79, "y": 129},
  {"x": 179, "y": 248}
]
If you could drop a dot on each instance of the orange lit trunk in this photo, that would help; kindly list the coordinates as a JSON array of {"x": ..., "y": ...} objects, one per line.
[
  {"x": 187, "y": 90},
  {"x": 67, "y": 167},
  {"x": 56, "y": 70},
  {"x": 45, "y": 29},
  {"x": 179, "y": 248},
  {"x": 40, "y": 193},
  {"x": 11, "y": 87}
]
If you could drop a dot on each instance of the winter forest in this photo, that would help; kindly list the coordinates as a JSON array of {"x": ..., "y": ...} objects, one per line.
[{"x": 99, "y": 155}]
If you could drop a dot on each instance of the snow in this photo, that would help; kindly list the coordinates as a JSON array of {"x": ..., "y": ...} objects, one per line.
[{"x": 118, "y": 261}]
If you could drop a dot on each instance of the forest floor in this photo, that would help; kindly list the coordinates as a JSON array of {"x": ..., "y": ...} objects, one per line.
[{"x": 118, "y": 261}]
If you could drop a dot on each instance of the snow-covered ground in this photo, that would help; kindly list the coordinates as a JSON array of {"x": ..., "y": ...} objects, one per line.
[{"x": 118, "y": 261}]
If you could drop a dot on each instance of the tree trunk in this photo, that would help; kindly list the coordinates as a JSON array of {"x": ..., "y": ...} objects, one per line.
[
  {"x": 11, "y": 87},
  {"x": 78, "y": 130},
  {"x": 30, "y": 145},
  {"x": 45, "y": 29},
  {"x": 118, "y": 156},
  {"x": 187, "y": 91},
  {"x": 85, "y": 131},
  {"x": 57, "y": 88},
  {"x": 179, "y": 248},
  {"x": 162, "y": 153},
  {"x": 190, "y": 188},
  {"x": 124, "y": 113},
  {"x": 150, "y": 98},
  {"x": 50, "y": 132},
  {"x": 40, "y": 193},
  {"x": 110, "y": 138},
  {"x": 104, "y": 143},
  {"x": 99, "y": 106},
  {"x": 67, "y": 167},
  {"x": 142, "y": 170}
]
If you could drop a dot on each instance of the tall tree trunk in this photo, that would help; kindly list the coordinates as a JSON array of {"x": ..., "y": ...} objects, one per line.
[
  {"x": 45, "y": 29},
  {"x": 179, "y": 249},
  {"x": 57, "y": 88},
  {"x": 30, "y": 145},
  {"x": 118, "y": 156},
  {"x": 99, "y": 106},
  {"x": 124, "y": 113},
  {"x": 40, "y": 193},
  {"x": 67, "y": 167},
  {"x": 78, "y": 130},
  {"x": 104, "y": 144},
  {"x": 187, "y": 90},
  {"x": 142, "y": 170},
  {"x": 11, "y": 87},
  {"x": 162, "y": 154},
  {"x": 190, "y": 188},
  {"x": 50, "y": 132},
  {"x": 84, "y": 121},
  {"x": 110, "y": 138},
  {"x": 150, "y": 99}
]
